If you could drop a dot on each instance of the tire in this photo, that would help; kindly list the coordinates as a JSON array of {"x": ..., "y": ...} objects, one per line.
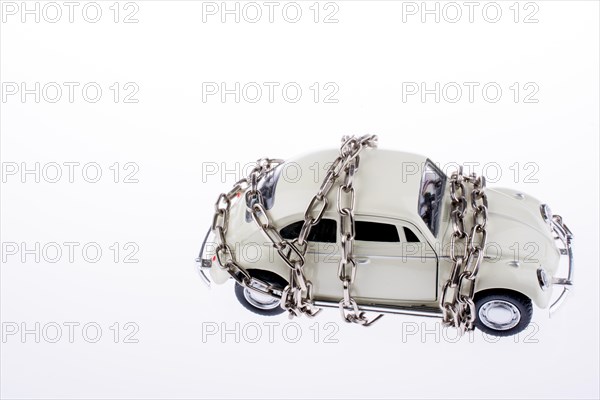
[
  {"x": 502, "y": 312},
  {"x": 256, "y": 302}
]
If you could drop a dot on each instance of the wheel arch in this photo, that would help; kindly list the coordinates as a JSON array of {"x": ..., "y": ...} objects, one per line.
[
  {"x": 522, "y": 280},
  {"x": 484, "y": 292},
  {"x": 268, "y": 275}
]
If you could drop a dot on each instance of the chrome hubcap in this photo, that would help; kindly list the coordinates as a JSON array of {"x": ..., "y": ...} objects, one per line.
[
  {"x": 500, "y": 315},
  {"x": 260, "y": 300}
]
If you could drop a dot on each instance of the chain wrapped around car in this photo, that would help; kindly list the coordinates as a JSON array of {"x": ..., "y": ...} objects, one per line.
[{"x": 456, "y": 300}]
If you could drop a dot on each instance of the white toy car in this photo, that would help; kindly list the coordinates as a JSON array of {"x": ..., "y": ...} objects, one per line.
[{"x": 403, "y": 231}]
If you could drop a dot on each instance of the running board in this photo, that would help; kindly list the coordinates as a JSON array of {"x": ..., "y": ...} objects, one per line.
[{"x": 420, "y": 311}]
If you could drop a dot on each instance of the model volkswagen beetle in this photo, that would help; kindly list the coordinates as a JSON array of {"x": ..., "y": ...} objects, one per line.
[{"x": 402, "y": 237}]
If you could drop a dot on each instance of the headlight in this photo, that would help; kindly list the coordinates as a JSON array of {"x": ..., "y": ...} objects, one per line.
[
  {"x": 543, "y": 278},
  {"x": 546, "y": 213}
]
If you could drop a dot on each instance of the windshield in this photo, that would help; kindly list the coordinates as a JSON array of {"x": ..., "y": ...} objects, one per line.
[{"x": 431, "y": 191}]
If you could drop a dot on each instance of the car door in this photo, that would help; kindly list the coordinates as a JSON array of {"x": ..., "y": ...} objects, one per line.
[
  {"x": 322, "y": 256},
  {"x": 395, "y": 262}
]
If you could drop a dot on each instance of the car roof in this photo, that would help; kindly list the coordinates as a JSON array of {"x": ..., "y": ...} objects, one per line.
[{"x": 387, "y": 183}]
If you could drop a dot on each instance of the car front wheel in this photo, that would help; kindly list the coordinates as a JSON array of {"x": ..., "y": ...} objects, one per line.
[
  {"x": 257, "y": 302},
  {"x": 502, "y": 312}
]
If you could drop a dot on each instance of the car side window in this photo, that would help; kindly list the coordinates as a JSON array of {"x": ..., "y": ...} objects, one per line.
[
  {"x": 376, "y": 232},
  {"x": 410, "y": 235},
  {"x": 324, "y": 231}
]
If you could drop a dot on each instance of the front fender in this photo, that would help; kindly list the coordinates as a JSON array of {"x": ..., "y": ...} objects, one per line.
[
  {"x": 253, "y": 255},
  {"x": 518, "y": 276},
  {"x": 218, "y": 274}
]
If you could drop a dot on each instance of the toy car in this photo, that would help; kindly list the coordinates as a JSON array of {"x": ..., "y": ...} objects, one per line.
[{"x": 402, "y": 238}]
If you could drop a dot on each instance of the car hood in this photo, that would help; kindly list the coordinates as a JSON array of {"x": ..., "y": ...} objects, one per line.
[{"x": 516, "y": 229}]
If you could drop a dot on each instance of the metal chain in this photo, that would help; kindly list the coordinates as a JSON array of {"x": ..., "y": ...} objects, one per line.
[
  {"x": 296, "y": 297},
  {"x": 224, "y": 254},
  {"x": 456, "y": 300},
  {"x": 346, "y": 199}
]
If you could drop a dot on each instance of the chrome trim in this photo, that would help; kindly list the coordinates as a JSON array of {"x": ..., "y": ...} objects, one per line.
[
  {"x": 546, "y": 214},
  {"x": 559, "y": 301},
  {"x": 562, "y": 282},
  {"x": 320, "y": 253},
  {"x": 484, "y": 257},
  {"x": 379, "y": 257},
  {"x": 543, "y": 278},
  {"x": 490, "y": 314},
  {"x": 255, "y": 295},
  {"x": 200, "y": 262},
  {"x": 563, "y": 234},
  {"x": 200, "y": 269},
  {"x": 420, "y": 311}
]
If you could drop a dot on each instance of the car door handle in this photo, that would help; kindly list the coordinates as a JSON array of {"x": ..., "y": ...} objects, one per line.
[{"x": 362, "y": 260}]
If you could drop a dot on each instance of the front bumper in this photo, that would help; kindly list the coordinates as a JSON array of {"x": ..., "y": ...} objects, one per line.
[
  {"x": 204, "y": 264},
  {"x": 565, "y": 236}
]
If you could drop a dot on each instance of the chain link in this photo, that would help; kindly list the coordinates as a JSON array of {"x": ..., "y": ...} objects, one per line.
[
  {"x": 456, "y": 300},
  {"x": 346, "y": 199},
  {"x": 297, "y": 297},
  {"x": 467, "y": 247},
  {"x": 224, "y": 254}
]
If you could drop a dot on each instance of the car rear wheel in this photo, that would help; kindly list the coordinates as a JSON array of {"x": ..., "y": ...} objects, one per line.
[
  {"x": 502, "y": 312},
  {"x": 257, "y": 302}
]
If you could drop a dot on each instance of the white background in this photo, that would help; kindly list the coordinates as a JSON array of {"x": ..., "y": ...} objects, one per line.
[{"x": 171, "y": 134}]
